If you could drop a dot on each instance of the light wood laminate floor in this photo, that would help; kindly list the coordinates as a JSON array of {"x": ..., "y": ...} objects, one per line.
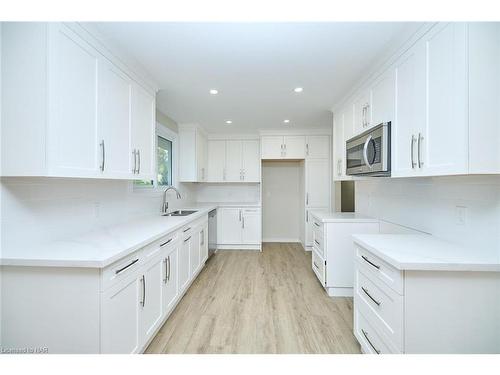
[{"x": 258, "y": 302}]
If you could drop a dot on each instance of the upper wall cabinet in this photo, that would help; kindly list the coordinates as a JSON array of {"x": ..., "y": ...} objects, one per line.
[
  {"x": 318, "y": 147},
  {"x": 233, "y": 160},
  {"x": 86, "y": 117},
  {"x": 193, "y": 150},
  {"x": 283, "y": 147}
]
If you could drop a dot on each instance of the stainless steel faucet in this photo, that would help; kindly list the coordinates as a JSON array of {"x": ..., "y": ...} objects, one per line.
[{"x": 164, "y": 206}]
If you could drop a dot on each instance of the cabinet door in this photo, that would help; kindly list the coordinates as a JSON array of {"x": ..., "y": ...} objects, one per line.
[
  {"x": 187, "y": 155},
  {"x": 142, "y": 120},
  {"x": 204, "y": 244},
  {"x": 229, "y": 226},
  {"x": 201, "y": 156},
  {"x": 318, "y": 146},
  {"x": 251, "y": 161},
  {"x": 216, "y": 161},
  {"x": 444, "y": 137},
  {"x": 170, "y": 279},
  {"x": 484, "y": 97},
  {"x": 73, "y": 148},
  {"x": 271, "y": 147},
  {"x": 233, "y": 161},
  {"x": 317, "y": 183},
  {"x": 194, "y": 252},
  {"x": 383, "y": 98},
  {"x": 295, "y": 146},
  {"x": 362, "y": 112},
  {"x": 114, "y": 122},
  {"x": 184, "y": 268},
  {"x": 251, "y": 226},
  {"x": 120, "y": 318},
  {"x": 338, "y": 145},
  {"x": 151, "y": 305},
  {"x": 410, "y": 110},
  {"x": 309, "y": 232}
]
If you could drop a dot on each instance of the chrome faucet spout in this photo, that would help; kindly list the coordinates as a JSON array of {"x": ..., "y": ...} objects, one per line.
[{"x": 164, "y": 206}]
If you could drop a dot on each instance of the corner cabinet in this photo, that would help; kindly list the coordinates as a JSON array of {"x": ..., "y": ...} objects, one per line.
[{"x": 88, "y": 117}]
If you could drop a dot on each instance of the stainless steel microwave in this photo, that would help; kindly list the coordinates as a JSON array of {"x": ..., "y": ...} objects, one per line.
[{"x": 369, "y": 152}]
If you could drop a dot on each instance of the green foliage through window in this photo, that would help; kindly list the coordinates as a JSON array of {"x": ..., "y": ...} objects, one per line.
[{"x": 164, "y": 164}]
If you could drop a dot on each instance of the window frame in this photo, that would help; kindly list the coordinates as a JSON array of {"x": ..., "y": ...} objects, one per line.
[{"x": 164, "y": 132}]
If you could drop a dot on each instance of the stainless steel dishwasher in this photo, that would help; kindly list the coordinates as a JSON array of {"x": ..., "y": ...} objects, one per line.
[{"x": 212, "y": 232}]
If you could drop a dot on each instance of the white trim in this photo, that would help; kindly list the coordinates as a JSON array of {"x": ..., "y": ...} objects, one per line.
[
  {"x": 232, "y": 136},
  {"x": 305, "y": 132},
  {"x": 281, "y": 239}
]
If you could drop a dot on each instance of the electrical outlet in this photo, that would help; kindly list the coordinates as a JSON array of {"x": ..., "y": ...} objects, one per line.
[{"x": 461, "y": 215}]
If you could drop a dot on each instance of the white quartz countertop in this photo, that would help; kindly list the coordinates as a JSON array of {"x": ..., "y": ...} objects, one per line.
[
  {"x": 426, "y": 253},
  {"x": 232, "y": 204},
  {"x": 102, "y": 247},
  {"x": 326, "y": 216}
]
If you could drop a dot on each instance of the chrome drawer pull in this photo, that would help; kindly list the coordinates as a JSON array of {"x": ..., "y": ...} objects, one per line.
[
  {"x": 315, "y": 265},
  {"x": 143, "y": 302},
  {"x": 187, "y": 239},
  {"x": 185, "y": 230},
  {"x": 373, "y": 264},
  {"x": 127, "y": 266},
  {"x": 317, "y": 242},
  {"x": 165, "y": 279},
  {"x": 369, "y": 342},
  {"x": 369, "y": 295},
  {"x": 165, "y": 243},
  {"x": 315, "y": 223}
]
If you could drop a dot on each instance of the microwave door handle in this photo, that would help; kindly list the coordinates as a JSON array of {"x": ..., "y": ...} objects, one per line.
[{"x": 365, "y": 151}]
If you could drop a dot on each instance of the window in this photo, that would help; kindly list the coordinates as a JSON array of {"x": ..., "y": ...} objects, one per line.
[{"x": 166, "y": 142}]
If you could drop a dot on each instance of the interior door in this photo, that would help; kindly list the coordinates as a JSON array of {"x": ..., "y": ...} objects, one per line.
[
  {"x": 74, "y": 147},
  {"x": 151, "y": 305},
  {"x": 119, "y": 336},
  {"x": 317, "y": 183},
  {"x": 318, "y": 146},
  {"x": 295, "y": 146},
  {"x": 233, "y": 161},
  {"x": 170, "y": 279},
  {"x": 229, "y": 226},
  {"x": 142, "y": 132},
  {"x": 251, "y": 160},
  {"x": 216, "y": 160},
  {"x": 271, "y": 147},
  {"x": 114, "y": 121},
  {"x": 251, "y": 226},
  {"x": 184, "y": 268}
]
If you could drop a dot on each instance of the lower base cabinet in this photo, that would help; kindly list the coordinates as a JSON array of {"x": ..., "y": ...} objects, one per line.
[
  {"x": 239, "y": 228},
  {"x": 170, "y": 283}
]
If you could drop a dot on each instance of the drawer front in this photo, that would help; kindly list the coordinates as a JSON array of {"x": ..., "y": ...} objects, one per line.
[
  {"x": 157, "y": 246},
  {"x": 319, "y": 267},
  {"x": 371, "y": 342},
  {"x": 381, "y": 306},
  {"x": 374, "y": 266},
  {"x": 122, "y": 268},
  {"x": 318, "y": 238}
]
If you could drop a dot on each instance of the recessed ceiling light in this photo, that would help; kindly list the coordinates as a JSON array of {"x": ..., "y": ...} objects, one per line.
[
  {"x": 286, "y": 121},
  {"x": 214, "y": 91},
  {"x": 298, "y": 89},
  {"x": 229, "y": 122}
]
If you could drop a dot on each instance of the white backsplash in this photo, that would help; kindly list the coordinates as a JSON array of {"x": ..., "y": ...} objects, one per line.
[
  {"x": 37, "y": 210},
  {"x": 430, "y": 205},
  {"x": 238, "y": 192}
]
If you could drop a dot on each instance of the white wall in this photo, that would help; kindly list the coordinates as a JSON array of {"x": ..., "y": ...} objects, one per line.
[
  {"x": 281, "y": 201},
  {"x": 430, "y": 205},
  {"x": 245, "y": 193}
]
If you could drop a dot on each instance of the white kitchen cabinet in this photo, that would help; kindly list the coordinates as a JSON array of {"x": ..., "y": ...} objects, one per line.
[
  {"x": 170, "y": 284},
  {"x": 338, "y": 146},
  {"x": 239, "y": 228},
  {"x": 194, "y": 251},
  {"x": 123, "y": 301},
  {"x": 250, "y": 161},
  {"x": 192, "y": 154},
  {"x": 318, "y": 183},
  {"x": 383, "y": 95},
  {"x": 317, "y": 147},
  {"x": 362, "y": 111},
  {"x": 142, "y": 122},
  {"x": 216, "y": 160},
  {"x": 203, "y": 238},
  {"x": 251, "y": 226},
  {"x": 150, "y": 312},
  {"x": 234, "y": 155},
  {"x": 283, "y": 147},
  {"x": 184, "y": 267},
  {"x": 80, "y": 108}
]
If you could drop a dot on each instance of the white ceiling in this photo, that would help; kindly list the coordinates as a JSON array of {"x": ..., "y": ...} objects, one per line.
[{"x": 255, "y": 67}]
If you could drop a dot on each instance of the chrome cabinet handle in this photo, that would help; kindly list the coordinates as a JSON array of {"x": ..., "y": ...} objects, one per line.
[
  {"x": 370, "y": 296},
  {"x": 143, "y": 302},
  {"x": 243, "y": 222},
  {"x": 185, "y": 230},
  {"x": 413, "y": 164},
  {"x": 339, "y": 169},
  {"x": 363, "y": 117},
  {"x": 317, "y": 242},
  {"x": 315, "y": 265},
  {"x": 368, "y": 261},
  {"x": 117, "y": 272},
  {"x": 307, "y": 216},
  {"x": 168, "y": 268},
  {"x": 420, "y": 138},
  {"x": 187, "y": 239},
  {"x": 103, "y": 155},
  {"x": 366, "y": 115},
  {"x": 240, "y": 215},
  {"x": 365, "y": 152},
  {"x": 135, "y": 161},
  {"x": 307, "y": 149},
  {"x": 165, "y": 243},
  {"x": 138, "y": 161},
  {"x": 315, "y": 223},
  {"x": 307, "y": 198},
  {"x": 369, "y": 342},
  {"x": 165, "y": 279}
]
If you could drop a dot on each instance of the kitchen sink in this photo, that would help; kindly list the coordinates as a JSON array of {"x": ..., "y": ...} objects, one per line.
[{"x": 180, "y": 213}]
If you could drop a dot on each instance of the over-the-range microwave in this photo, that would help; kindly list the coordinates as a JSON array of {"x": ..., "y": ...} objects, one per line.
[{"x": 369, "y": 153}]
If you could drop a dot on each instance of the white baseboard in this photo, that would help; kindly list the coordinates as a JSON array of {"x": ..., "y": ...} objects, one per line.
[
  {"x": 340, "y": 292},
  {"x": 239, "y": 247},
  {"x": 281, "y": 239}
]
